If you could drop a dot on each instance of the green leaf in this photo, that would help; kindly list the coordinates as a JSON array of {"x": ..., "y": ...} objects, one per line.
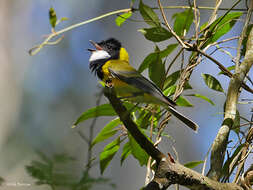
[
  {"x": 137, "y": 151},
  {"x": 108, "y": 153},
  {"x": 212, "y": 82},
  {"x": 193, "y": 164},
  {"x": 236, "y": 123},
  {"x": 202, "y": 97},
  {"x": 154, "y": 56},
  {"x": 126, "y": 152},
  {"x": 181, "y": 101},
  {"x": 245, "y": 39},
  {"x": 227, "y": 164},
  {"x": 170, "y": 90},
  {"x": 221, "y": 26},
  {"x": 183, "y": 21},
  {"x": 63, "y": 19},
  {"x": 156, "y": 34},
  {"x": 107, "y": 132},
  {"x": 156, "y": 72},
  {"x": 52, "y": 17},
  {"x": 223, "y": 20},
  {"x": 101, "y": 110},
  {"x": 149, "y": 15},
  {"x": 171, "y": 79},
  {"x": 122, "y": 18},
  {"x": 230, "y": 68}
]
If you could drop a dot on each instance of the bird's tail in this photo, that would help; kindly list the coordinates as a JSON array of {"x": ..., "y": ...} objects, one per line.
[{"x": 184, "y": 119}]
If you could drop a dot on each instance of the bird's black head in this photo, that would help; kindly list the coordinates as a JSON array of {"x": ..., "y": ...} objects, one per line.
[
  {"x": 112, "y": 46},
  {"x": 105, "y": 50}
]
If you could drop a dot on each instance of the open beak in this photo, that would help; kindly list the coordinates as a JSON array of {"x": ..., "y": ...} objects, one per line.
[{"x": 98, "y": 47}]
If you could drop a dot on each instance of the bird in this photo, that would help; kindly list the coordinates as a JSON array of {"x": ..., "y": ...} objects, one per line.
[{"x": 109, "y": 61}]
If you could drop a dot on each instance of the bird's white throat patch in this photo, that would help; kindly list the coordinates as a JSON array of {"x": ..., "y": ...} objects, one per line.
[{"x": 98, "y": 55}]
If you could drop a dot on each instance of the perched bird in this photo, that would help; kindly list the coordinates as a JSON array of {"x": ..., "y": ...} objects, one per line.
[{"x": 110, "y": 62}]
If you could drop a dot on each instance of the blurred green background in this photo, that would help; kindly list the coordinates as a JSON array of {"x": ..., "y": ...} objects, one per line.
[{"x": 42, "y": 95}]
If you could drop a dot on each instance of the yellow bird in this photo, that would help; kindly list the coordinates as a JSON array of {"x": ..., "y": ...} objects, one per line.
[{"x": 110, "y": 62}]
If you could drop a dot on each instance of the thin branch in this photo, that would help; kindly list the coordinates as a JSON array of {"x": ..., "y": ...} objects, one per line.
[
  {"x": 37, "y": 48},
  {"x": 132, "y": 127},
  {"x": 169, "y": 27},
  {"x": 199, "y": 7}
]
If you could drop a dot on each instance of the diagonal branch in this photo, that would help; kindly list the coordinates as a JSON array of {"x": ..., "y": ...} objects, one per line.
[{"x": 168, "y": 171}]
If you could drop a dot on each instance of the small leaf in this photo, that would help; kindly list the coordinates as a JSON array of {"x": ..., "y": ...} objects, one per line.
[
  {"x": 107, "y": 132},
  {"x": 126, "y": 152},
  {"x": 244, "y": 42},
  {"x": 170, "y": 90},
  {"x": 137, "y": 151},
  {"x": 101, "y": 110},
  {"x": 108, "y": 153},
  {"x": 171, "y": 79},
  {"x": 221, "y": 26},
  {"x": 226, "y": 170},
  {"x": 153, "y": 56},
  {"x": 156, "y": 34},
  {"x": 212, "y": 82},
  {"x": 181, "y": 101},
  {"x": 230, "y": 68},
  {"x": 202, "y": 97},
  {"x": 52, "y": 17},
  {"x": 63, "y": 19},
  {"x": 122, "y": 18},
  {"x": 157, "y": 72},
  {"x": 149, "y": 15},
  {"x": 193, "y": 164},
  {"x": 236, "y": 123},
  {"x": 183, "y": 21}
]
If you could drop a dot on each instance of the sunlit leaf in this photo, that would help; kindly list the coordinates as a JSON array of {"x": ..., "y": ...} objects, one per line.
[
  {"x": 202, "y": 97},
  {"x": 181, "y": 101},
  {"x": 63, "y": 19},
  {"x": 108, "y": 153},
  {"x": 221, "y": 26},
  {"x": 193, "y": 164},
  {"x": 122, "y": 18},
  {"x": 149, "y": 15},
  {"x": 126, "y": 152},
  {"x": 156, "y": 34},
  {"x": 170, "y": 90},
  {"x": 212, "y": 82},
  {"x": 107, "y": 132},
  {"x": 183, "y": 21},
  {"x": 52, "y": 17}
]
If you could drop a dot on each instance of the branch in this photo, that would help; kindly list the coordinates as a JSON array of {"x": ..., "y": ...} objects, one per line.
[
  {"x": 220, "y": 142},
  {"x": 54, "y": 34},
  {"x": 168, "y": 171},
  {"x": 131, "y": 126}
]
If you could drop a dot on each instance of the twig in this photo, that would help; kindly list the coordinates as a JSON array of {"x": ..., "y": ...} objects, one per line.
[
  {"x": 196, "y": 20},
  {"x": 169, "y": 27},
  {"x": 36, "y": 49}
]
